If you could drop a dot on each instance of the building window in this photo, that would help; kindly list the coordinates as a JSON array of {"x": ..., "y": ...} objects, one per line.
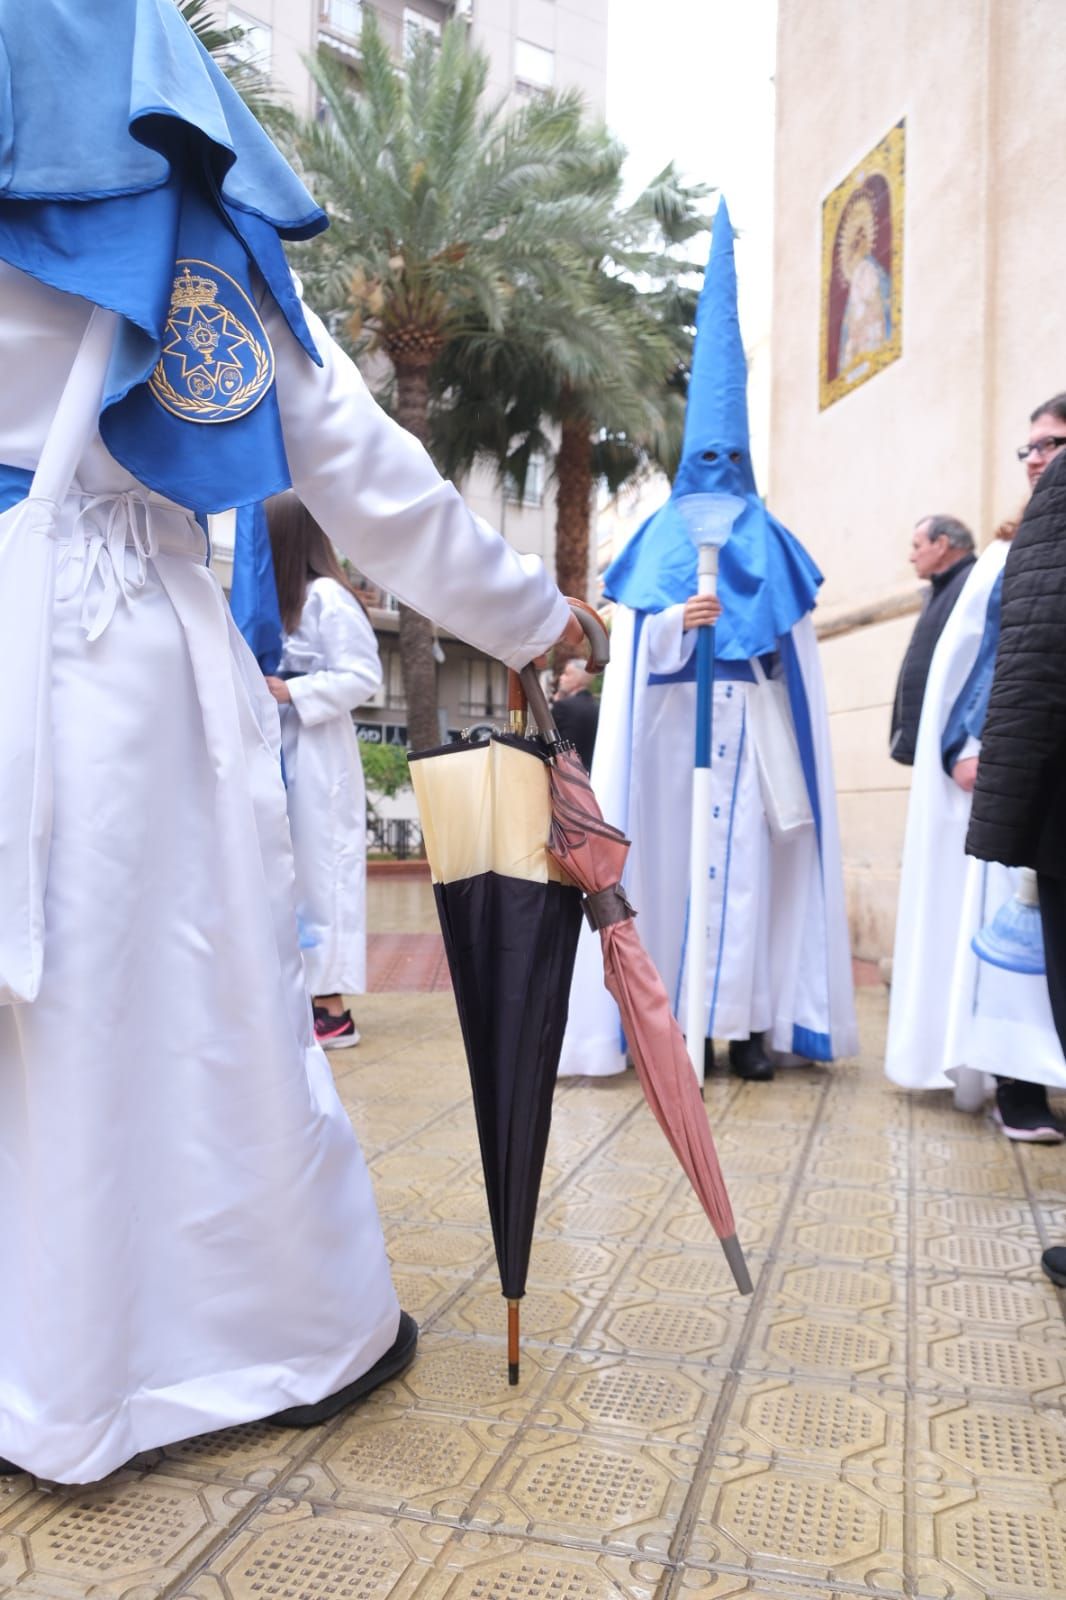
[
  {"x": 256, "y": 41},
  {"x": 344, "y": 16},
  {"x": 534, "y": 67},
  {"x": 416, "y": 25},
  {"x": 484, "y": 689},
  {"x": 392, "y": 676},
  {"x": 533, "y": 494}
]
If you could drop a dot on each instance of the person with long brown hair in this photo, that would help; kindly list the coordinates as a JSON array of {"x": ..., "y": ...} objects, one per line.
[{"x": 329, "y": 666}]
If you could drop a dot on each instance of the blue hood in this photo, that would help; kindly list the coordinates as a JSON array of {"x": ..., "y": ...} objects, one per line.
[
  {"x": 766, "y": 580},
  {"x": 126, "y": 160}
]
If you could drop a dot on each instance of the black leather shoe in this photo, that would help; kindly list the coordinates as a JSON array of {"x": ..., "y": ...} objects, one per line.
[
  {"x": 749, "y": 1060},
  {"x": 399, "y": 1355},
  {"x": 8, "y": 1468},
  {"x": 1053, "y": 1262}
]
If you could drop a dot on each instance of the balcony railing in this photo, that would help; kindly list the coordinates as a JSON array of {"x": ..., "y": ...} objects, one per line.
[{"x": 340, "y": 25}]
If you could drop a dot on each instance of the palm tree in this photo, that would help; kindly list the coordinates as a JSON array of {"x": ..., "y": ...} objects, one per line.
[
  {"x": 442, "y": 211},
  {"x": 228, "y": 44},
  {"x": 595, "y": 376}
]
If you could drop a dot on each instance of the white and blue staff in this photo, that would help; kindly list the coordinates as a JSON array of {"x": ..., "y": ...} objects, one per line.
[{"x": 708, "y": 520}]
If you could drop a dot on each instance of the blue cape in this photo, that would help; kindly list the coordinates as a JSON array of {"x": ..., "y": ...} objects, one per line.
[
  {"x": 766, "y": 580},
  {"x": 124, "y": 154}
]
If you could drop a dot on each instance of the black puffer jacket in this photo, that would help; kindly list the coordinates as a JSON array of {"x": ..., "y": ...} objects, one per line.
[
  {"x": 1019, "y": 804},
  {"x": 910, "y": 689}
]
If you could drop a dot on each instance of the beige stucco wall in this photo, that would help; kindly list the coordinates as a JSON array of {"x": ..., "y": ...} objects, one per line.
[{"x": 980, "y": 84}]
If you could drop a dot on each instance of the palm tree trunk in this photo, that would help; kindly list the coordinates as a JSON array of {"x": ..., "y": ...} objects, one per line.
[
  {"x": 416, "y": 634},
  {"x": 573, "y": 507}
]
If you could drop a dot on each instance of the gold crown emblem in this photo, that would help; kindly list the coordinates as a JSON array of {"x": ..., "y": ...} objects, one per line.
[{"x": 192, "y": 290}]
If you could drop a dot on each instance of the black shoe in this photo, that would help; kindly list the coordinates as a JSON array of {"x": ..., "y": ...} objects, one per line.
[
  {"x": 399, "y": 1355},
  {"x": 8, "y": 1468},
  {"x": 749, "y": 1060},
  {"x": 1023, "y": 1113},
  {"x": 1053, "y": 1262}
]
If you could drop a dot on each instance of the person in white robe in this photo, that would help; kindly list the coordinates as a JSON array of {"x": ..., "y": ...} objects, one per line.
[
  {"x": 190, "y": 1238},
  {"x": 329, "y": 667},
  {"x": 778, "y": 975},
  {"x": 956, "y": 1021}
]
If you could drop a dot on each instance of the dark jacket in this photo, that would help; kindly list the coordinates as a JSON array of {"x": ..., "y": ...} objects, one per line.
[
  {"x": 1019, "y": 804},
  {"x": 910, "y": 689},
  {"x": 577, "y": 717}
]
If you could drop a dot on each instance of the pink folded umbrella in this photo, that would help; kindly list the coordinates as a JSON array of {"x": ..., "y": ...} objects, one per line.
[{"x": 593, "y": 853}]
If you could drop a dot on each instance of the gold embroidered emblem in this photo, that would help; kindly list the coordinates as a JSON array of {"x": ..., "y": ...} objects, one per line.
[{"x": 216, "y": 363}]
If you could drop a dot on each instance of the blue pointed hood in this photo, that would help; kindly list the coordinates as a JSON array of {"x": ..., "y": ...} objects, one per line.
[{"x": 766, "y": 580}]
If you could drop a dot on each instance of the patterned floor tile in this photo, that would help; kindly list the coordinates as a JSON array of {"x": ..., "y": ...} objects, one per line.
[
  {"x": 399, "y": 1462},
  {"x": 128, "y": 1538},
  {"x": 292, "y": 1550},
  {"x": 467, "y": 1377},
  {"x": 669, "y": 1329},
  {"x": 617, "y": 1394},
  {"x": 773, "y": 1520},
  {"x": 600, "y": 1490},
  {"x": 807, "y": 1423}
]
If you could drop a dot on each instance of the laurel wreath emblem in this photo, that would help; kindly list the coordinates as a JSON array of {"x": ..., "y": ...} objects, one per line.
[{"x": 201, "y": 289}]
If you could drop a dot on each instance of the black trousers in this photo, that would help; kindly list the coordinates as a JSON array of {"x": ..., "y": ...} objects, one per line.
[{"x": 1053, "y": 919}]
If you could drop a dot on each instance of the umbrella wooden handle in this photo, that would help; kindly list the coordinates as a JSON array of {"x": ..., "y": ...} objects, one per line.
[{"x": 595, "y": 632}]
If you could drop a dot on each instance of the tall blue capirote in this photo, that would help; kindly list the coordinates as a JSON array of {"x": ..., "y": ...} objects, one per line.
[
  {"x": 766, "y": 580},
  {"x": 254, "y": 592}
]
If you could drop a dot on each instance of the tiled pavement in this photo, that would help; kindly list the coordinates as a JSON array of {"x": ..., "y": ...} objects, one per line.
[{"x": 883, "y": 1417}]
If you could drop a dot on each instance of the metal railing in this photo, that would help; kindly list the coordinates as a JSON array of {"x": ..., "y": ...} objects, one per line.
[{"x": 398, "y": 837}]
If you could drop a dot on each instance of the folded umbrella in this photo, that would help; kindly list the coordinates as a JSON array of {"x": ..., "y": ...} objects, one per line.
[
  {"x": 592, "y": 853},
  {"x": 510, "y": 921}
]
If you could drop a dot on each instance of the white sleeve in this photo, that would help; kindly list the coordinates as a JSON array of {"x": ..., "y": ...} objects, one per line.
[
  {"x": 373, "y": 489},
  {"x": 346, "y": 641},
  {"x": 669, "y": 646}
]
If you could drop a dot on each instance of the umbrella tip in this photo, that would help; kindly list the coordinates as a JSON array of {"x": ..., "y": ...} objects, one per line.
[
  {"x": 737, "y": 1265},
  {"x": 512, "y": 1342}
]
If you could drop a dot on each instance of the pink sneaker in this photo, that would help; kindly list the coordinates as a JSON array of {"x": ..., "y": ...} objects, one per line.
[{"x": 335, "y": 1033}]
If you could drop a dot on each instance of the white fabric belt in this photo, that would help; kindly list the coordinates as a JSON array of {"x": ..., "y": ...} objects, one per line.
[{"x": 95, "y": 548}]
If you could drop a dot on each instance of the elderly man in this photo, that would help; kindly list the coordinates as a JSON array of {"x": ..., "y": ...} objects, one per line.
[
  {"x": 942, "y": 551},
  {"x": 576, "y": 710},
  {"x": 954, "y": 1020}
]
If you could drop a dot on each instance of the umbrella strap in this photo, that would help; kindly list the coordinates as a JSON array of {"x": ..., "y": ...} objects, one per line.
[{"x": 606, "y": 906}]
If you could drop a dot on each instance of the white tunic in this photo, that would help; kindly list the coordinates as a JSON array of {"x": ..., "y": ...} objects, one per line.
[
  {"x": 189, "y": 1235},
  {"x": 778, "y": 959},
  {"x": 335, "y": 654},
  {"x": 951, "y": 1013}
]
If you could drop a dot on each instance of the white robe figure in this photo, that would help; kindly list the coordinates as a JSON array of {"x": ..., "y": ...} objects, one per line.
[
  {"x": 189, "y": 1234},
  {"x": 952, "y": 1015},
  {"x": 778, "y": 957},
  {"x": 334, "y": 654}
]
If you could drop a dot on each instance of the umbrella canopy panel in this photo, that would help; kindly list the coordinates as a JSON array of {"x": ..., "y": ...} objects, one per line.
[{"x": 510, "y": 918}]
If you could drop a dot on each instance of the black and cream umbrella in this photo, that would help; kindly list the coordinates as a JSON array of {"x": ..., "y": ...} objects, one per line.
[{"x": 510, "y": 919}]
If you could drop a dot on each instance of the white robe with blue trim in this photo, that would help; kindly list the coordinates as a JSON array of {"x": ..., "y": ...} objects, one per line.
[
  {"x": 334, "y": 654},
  {"x": 778, "y": 954},
  {"x": 189, "y": 1235},
  {"x": 952, "y": 1015}
]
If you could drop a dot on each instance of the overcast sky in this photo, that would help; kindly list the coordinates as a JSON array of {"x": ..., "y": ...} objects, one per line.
[{"x": 692, "y": 80}]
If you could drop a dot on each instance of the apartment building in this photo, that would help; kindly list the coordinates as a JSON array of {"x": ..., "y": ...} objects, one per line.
[{"x": 532, "y": 45}]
